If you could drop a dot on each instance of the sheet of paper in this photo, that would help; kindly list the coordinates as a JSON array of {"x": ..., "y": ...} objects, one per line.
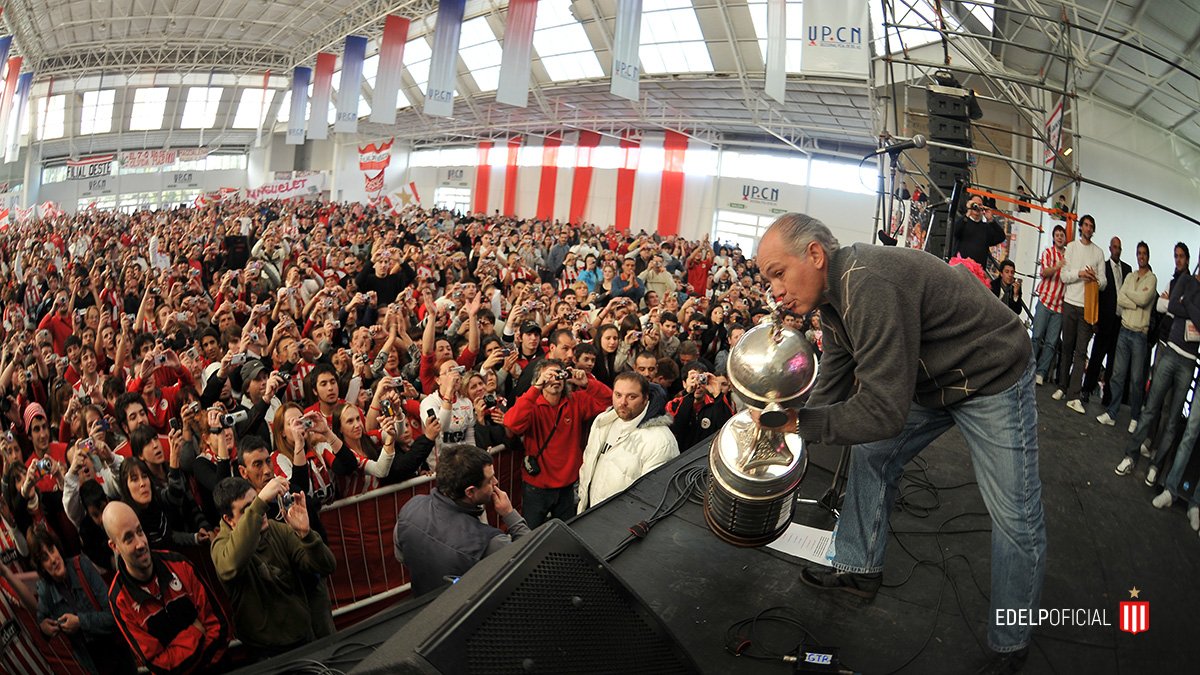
[{"x": 805, "y": 542}]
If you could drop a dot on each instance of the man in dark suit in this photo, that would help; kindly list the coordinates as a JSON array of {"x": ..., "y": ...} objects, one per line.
[{"x": 1104, "y": 347}]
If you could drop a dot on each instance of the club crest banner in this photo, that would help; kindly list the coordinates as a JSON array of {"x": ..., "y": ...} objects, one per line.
[{"x": 375, "y": 156}]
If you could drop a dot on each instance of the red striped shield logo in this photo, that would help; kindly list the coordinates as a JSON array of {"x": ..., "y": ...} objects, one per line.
[{"x": 1135, "y": 617}]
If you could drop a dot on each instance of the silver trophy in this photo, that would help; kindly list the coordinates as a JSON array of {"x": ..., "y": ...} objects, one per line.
[{"x": 755, "y": 470}]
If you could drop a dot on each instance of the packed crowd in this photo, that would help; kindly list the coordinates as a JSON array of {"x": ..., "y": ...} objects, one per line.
[{"x": 172, "y": 380}]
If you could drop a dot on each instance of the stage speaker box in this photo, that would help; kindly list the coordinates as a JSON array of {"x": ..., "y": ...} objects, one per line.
[
  {"x": 545, "y": 604},
  {"x": 950, "y": 115}
]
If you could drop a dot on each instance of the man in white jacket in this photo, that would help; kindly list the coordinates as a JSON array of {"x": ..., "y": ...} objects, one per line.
[{"x": 627, "y": 441}]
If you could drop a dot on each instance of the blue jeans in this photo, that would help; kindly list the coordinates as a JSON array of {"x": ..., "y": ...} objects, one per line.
[
  {"x": 1184, "y": 453},
  {"x": 1130, "y": 366},
  {"x": 538, "y": 503},
  {"x": 1001, "y": 431},
  {"x": 1173, "y": 372},
  {"x": 1047, "y": 326}
]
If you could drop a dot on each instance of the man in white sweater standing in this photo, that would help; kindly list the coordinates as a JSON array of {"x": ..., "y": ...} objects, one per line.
[{"x": 1081, "y": 261}]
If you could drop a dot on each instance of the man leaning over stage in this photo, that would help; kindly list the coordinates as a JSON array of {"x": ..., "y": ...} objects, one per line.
[
  {"x": 266, "y": 566},
  {"x": 890, "y": 385},
  {"x": 627, "y": 441},
  {"x": 439, "y": 535}
]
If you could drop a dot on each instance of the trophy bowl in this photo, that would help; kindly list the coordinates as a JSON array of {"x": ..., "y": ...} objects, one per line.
[
  {"x": 754, "y": 468},
  {"x": 772, "y": 368}
]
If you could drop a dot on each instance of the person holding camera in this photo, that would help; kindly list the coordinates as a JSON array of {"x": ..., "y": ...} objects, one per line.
[
  {"x": 550, "y": 419},
  {"x": 258, "y": 399},
  {"x": 702, "y": 408},
  {"x": 455, "y": 413},
  {"x": 440, "y": 536},
  {"x": 265, "y": 566},
  {"x": 1007, "y": 287},
  {"x": 974, "y": 235}
]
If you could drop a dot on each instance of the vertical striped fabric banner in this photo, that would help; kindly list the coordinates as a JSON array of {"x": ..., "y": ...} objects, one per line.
[
  {"x": 581, "y": 181},
  {"x": 391, "y": 65},
  {"x": 625, "y": 69},
  {"x": 443, "y": 66},
  {"x": 295, "y": 127},
  {"x": 24, "y": 84},
  {"x": 262, "y": 110},
  {"x": 350, "y": 87},
  {"x": 318, "y": 124},
  {"x": 626, "y": 177},
  {"x": 670, "y": 195},
  {"x": 483, "y": 179},
  {"x": 549, "y": 180},
  {"x": 5, "y": 45},
  {"x": 510, "y": 177},
  {"x": 10, "y": 87},
  {"x": 776, "y": 49},
  {"x": 517, "y": 56}
]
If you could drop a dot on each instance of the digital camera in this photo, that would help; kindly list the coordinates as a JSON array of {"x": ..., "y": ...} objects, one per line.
[{"x": 531, "y": 465}]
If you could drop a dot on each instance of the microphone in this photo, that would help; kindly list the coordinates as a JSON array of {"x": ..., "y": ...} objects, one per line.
[{"x": 917, "y": 141}]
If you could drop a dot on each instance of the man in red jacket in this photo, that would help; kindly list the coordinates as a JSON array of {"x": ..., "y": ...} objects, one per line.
[
  {"x": 162, "y": 607},
  {"x": 550, "y": 421}
]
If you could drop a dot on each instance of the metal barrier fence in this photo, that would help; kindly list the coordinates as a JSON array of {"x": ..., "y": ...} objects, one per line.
[{"x": 360, "y": 530}]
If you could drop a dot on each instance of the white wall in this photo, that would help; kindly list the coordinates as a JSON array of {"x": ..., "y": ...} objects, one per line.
[
  {"x": 850, "y": 215},
  {"x": 1133, "y": 156}
]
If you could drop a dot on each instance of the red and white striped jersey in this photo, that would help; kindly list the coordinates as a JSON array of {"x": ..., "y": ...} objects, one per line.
[{"x": 1050, "y": 288}]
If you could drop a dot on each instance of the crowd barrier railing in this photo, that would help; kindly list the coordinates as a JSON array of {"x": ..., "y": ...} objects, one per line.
[{"x": 360, "y": 529}]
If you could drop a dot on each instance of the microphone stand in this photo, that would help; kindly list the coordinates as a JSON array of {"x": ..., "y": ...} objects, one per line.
[
  {"x": 887, "y": 236},
  {"x": 831, "y": 500}
]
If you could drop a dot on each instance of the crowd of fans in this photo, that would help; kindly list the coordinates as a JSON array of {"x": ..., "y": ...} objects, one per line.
[{"x": 183, "y": 391}]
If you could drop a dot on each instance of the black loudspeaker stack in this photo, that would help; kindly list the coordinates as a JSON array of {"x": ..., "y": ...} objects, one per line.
[
  {"x": 545, "y": 604},
  {"x": 950, "y": 123}
]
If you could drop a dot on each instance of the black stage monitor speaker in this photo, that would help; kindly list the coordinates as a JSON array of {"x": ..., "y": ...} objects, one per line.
[{"x": 546, "y": 604}]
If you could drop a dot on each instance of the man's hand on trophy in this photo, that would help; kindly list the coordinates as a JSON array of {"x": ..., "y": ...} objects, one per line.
[{"x": 788, "y": 427}]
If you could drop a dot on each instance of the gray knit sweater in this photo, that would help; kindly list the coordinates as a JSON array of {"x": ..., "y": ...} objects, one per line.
[{"x": 900, "y": 326}]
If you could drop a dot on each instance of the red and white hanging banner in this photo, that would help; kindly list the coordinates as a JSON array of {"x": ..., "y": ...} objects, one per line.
[
  {"x": 548, "y": 184},
  {"x": 375, "y": 156},
  {"x": 631, "y": 146},
  {"x": 670, "y": 195},
  {"x": 374, "y": 183},
  {"x": 96, "y": 166},
  {"x": 391, "y": 64},
  {"x": 510, "y": 176},
  {"x": 581, "y": 181},
  {"x": 144, "y": 159}
]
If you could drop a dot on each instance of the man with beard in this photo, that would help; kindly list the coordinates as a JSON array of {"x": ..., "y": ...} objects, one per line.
[{"x": 627, "y": 441}]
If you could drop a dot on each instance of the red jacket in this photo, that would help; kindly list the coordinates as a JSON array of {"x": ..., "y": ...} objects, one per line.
[
  {"x": 533, "y": 418},
  {"x": 158, "y": 618}
]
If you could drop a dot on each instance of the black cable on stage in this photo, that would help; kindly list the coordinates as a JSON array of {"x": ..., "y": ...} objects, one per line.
[{"x": 688, "y": 484}]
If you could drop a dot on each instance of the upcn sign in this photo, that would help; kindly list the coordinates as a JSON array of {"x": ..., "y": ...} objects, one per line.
[
  {"x": 760, "y": 194},
  {"x": 835, "y": 36}
]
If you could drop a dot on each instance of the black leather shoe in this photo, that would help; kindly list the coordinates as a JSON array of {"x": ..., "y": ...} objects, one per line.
[
  {"x": 1002, "y": 664},
  {"x": 828, "y": 579},
  {"x": 1085, "y": 396}
]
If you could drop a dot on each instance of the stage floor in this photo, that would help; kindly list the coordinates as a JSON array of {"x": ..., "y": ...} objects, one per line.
[{"x": 1104, "y": 538}]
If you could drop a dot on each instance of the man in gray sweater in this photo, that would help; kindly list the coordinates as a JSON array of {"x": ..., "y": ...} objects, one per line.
[{"x": 912, "y": 347}]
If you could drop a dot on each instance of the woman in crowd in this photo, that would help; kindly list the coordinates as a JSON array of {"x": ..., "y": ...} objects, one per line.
[
  {"x": 73, "y": 601},
  {"x": 364, "y": 459},
  {"x": 168, "y": 516}
]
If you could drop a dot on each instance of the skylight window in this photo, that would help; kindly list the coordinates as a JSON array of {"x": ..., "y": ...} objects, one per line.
[
  {"x": 52, "y": 117},
  {"x": 149, "y": 106},
  {"x": 916, "y": 13},
  {"x": 253, "y": 107},
  {"x": 416, "y": 59},
  {"x": 200, "y": 111},
  {"x": 794, "y": 31},
  {"x": 671, "y": 40},
  {"x": 481, "y": 52},
  {"x": 562, "y": 45},
  {"x": 97, "y": 113}
]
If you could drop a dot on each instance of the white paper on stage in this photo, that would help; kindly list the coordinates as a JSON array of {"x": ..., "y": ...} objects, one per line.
[{"x": 804, "y": 542}]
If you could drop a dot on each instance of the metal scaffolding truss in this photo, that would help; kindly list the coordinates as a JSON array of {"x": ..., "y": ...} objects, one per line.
[
  {"x": 364, "y": 17},
  {"x": 174, "y": 56}
]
